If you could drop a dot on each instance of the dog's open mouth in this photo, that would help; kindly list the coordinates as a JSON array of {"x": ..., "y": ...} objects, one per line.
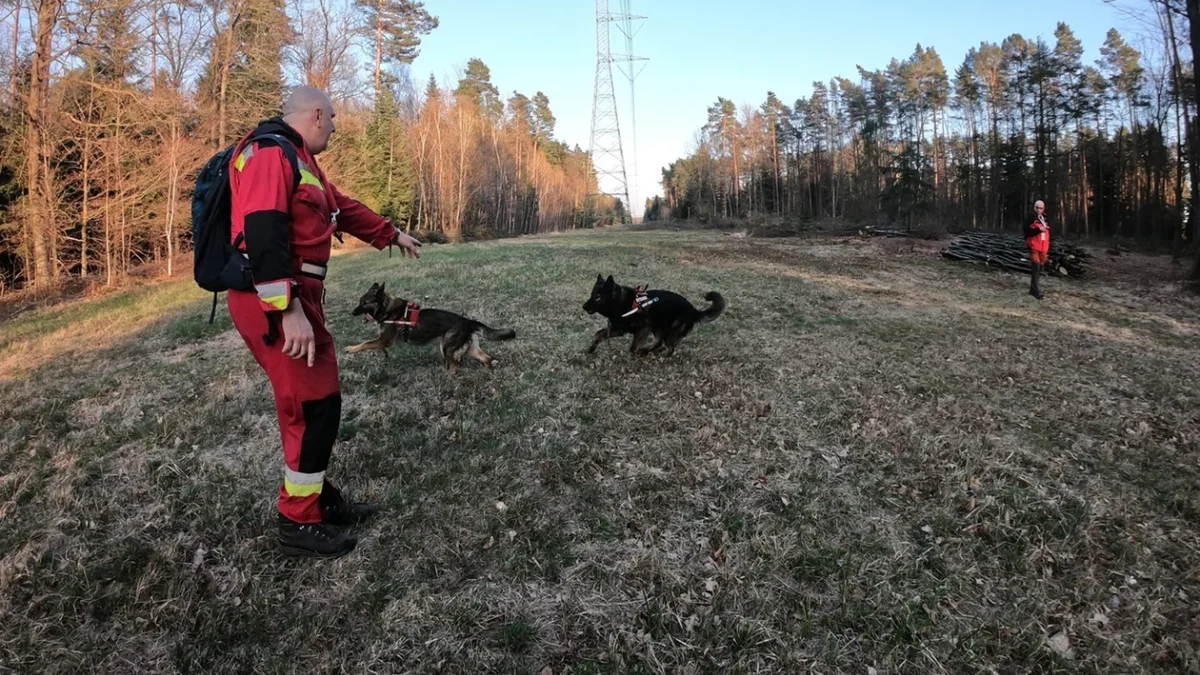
[{"x": 367, "y": 318}]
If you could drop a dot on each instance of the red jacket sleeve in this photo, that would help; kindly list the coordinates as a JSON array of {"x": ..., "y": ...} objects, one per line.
[
  {"x": 361, "y": 222},
  {"x": 264, "y": 195}
]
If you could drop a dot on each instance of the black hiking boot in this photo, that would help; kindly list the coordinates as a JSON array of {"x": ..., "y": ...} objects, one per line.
[
  {"x": 314, "y": 540},
  {"x": 337, "y": 510}
]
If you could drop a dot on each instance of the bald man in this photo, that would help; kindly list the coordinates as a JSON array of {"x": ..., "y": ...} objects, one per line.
[
  {"x": 283, "y": 221},
  {"x": 1037, "y": 237}
]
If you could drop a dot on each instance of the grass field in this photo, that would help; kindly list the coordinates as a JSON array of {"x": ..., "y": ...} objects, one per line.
[{"x": 876, "y": 462}]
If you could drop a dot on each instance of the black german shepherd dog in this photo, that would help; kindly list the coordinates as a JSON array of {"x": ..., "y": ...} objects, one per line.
[
  {"x": 662, "y": 319},
  {"x": 456, "y": 335}
]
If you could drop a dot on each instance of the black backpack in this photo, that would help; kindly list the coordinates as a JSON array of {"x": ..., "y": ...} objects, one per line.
[{"x": 218, "y": 265}]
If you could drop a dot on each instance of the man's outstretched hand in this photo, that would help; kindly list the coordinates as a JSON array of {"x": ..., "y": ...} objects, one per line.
[{"x": 407, "y": 244}]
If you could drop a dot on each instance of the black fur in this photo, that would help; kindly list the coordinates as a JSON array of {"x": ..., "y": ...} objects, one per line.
[
  {"x": 663, "y": 324},
  {"x": 456, "y": 335}
]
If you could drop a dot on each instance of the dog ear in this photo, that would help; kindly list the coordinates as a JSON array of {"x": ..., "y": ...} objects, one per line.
[{"x": 609, "y": 281}]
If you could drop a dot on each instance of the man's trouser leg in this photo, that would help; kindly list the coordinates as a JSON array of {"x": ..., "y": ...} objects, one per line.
[
  {"x": 308, "y": 404},
  {"x": 1036, "y": 259}
]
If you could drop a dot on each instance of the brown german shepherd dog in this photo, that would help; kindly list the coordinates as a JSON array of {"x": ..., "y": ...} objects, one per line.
[{"x": 398, "y": 319}]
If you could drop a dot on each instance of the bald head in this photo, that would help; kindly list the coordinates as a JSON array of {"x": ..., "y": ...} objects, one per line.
[
  {"x": 306, "y": 99},
  {"x": 309, "y": 111},
  {"x": 1039, "y": 207}
]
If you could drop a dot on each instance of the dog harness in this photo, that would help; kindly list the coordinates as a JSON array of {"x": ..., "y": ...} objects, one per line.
[
  {"x": 412, "y": 313},
  {"x": 641, "y": 302}
]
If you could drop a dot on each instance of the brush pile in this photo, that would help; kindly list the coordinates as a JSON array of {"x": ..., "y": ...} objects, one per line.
[{"x": 1009, "y": 251}]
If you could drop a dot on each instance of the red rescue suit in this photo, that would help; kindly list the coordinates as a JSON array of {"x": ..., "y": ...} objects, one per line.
[
  {"x": 1037, "y": 237},
  {"x": 287, "y": 237}
]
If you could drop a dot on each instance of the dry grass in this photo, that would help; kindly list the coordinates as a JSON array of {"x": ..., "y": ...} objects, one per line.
[{"x": 875, "y": 460}]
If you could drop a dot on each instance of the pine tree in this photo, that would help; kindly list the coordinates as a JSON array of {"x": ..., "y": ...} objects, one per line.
[
  {"x": 775, "y": 115},
  {"x": 396, "y": 27},
  {"x": 993, "y": 79},
  {"x": 391, "y": 178},
  {"x": 543, "y": 119},
  {"x": 723, "y": 131},
  {"x": 967, "y": 97},
  {"x": 243, "y": 80},
  {"x": 1121, "y": 64},
  {"x": 520, "y": 114},
  {"x": 475, "y": 86}
]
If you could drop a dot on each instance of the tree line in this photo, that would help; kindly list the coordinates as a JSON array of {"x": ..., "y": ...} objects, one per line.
[
  {"x": 1110, "y": 146},
  {"x": 109, "y": 109}
]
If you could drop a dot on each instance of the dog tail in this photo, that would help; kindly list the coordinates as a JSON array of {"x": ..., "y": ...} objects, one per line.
[
  {"x": 490, "y": 333},
  {"x": 715, "y": 310}
]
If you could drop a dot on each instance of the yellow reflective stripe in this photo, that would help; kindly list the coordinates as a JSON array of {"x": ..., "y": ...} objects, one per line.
[
  {"x": 274, "y": 294},
  {"x": 240, "y": 162},
  {"x": 301, "y": 489},
  {"x": 302, "y": 484},
  {"x": 307, "y": 178},
  {"x": 279, "y": 302}
]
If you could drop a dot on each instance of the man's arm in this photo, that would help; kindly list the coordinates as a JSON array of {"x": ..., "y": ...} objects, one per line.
[
  {"x": 357, "y": 220},
  {"x": 266, "y": 178},
  {"x": 363, "y": 223}
]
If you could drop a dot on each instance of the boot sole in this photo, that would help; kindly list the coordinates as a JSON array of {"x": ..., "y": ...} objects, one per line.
[
  {"x": 297, "y": 552},
  {"x": 340, "y": 522}
]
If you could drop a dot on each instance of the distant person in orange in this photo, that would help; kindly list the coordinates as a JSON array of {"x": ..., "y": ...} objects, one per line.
[{"x": 1037, "y": 236}]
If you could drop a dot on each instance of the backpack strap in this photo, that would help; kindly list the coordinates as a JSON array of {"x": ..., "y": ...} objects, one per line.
[{"x": 289, "y": 151}]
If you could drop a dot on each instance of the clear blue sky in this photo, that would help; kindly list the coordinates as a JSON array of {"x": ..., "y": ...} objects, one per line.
[{"x": 702, "y": 49}]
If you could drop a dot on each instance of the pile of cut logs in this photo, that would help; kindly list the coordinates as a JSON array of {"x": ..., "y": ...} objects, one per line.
[
  {"x": 872, "y": 231},
  {"x": 1009, "y": 251}
]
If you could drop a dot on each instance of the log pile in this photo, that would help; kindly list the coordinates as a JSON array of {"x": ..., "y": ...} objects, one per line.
[
  {"x": 871, "y": 231},
  {"x": 1009, "y": 251}
]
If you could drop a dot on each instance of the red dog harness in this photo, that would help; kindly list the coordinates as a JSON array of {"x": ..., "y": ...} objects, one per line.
[
  {"x": 412, "y": 313},
  {"x": 641, "y": 302}
]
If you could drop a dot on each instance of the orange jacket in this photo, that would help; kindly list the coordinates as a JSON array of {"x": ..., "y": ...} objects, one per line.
[
  {"x": 281, "y": 233},
  {"x": 1037, "y": 235}
]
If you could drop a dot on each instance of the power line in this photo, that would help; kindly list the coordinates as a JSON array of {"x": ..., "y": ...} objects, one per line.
[{"x": 606, "y": 151}]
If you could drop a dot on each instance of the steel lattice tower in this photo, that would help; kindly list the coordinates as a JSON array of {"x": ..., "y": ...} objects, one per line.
[{"x": 606, "y": 152}]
